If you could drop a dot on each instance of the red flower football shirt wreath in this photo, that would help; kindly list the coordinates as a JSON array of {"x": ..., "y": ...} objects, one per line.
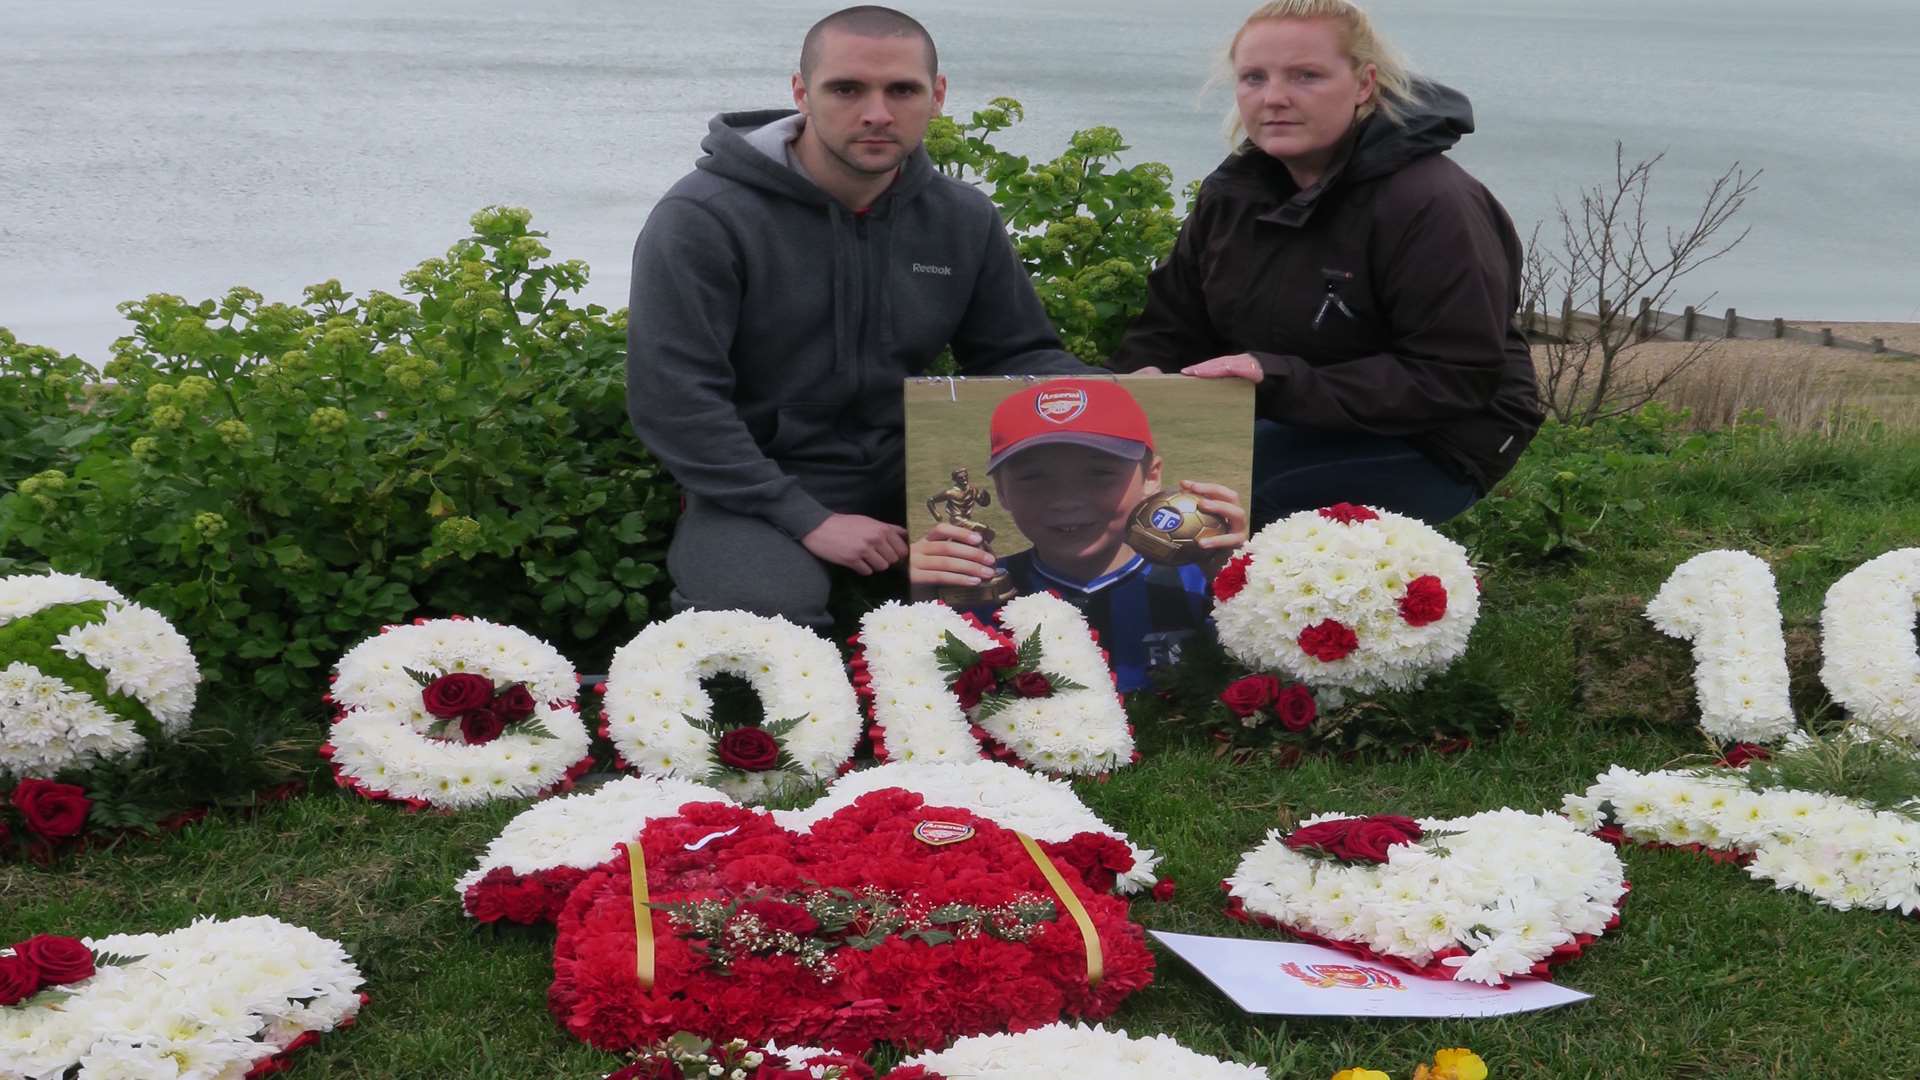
[{"x": 888, "y": 921}]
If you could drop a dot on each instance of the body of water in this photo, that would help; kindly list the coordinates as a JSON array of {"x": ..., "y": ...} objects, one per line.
[{"x": 192, "y": 146}]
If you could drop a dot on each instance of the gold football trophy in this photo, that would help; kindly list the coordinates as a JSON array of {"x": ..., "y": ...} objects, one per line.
[
  {"x": 1165, "y": 526},
  {"x": 959, "y": 502}
]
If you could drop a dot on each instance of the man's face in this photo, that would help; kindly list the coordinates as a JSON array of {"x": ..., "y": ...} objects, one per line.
[
  {"x": 1072, "y": 501},
  {"x": 869, "y": 100}
]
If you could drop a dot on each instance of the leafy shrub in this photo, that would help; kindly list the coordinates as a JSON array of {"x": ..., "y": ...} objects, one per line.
[
  {"x": 1088, "y": 232},
  {"x": 283, "y": 479}
]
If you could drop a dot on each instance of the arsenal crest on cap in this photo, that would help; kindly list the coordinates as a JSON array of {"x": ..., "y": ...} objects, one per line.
[
  {"x": 1060, "y": 406},
  {"x": 942, "y": 833}
]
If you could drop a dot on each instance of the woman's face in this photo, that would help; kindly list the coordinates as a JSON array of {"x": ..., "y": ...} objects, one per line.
[{"x": 1297, "y": 89}]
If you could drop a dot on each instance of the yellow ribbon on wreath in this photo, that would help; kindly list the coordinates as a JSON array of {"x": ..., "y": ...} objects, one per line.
[
  {"x": 1096, "y": 968},
  {"x": 642, "y": 916}
]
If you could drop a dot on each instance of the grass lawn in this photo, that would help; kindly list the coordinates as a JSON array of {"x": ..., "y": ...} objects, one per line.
[{"x": 1710, "y": 974}]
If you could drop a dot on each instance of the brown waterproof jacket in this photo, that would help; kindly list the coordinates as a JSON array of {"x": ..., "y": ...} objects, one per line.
[{"x": 1380, "y": 300}]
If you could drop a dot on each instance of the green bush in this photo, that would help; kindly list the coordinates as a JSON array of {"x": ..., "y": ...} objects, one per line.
[
  {"x": 281, "y": 480},
  {"x": 1087, "y": 232}
]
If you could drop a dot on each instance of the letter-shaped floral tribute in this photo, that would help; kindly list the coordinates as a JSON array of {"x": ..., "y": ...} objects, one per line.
[
  {"x": 1477, "y": 899},
  {"x": 943, "y": 687},
  {"x": 1347, "y": 598},
  {"x": 1064, "y": 1050},
  {"x": 1837, "y": 850},
  {"x": 85, "y": 676},
  {"x": 1872, "y": 665},
  {"x": 215, "y": 999},
  {"x": 454, "y": 713},
  {"x": 661, "y": 721},
  {"x": 1725, "y": 603}
]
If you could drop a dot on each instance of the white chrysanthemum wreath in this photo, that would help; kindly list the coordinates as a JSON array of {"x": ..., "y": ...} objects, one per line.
[
  {"x": 1078, "y": 1050},
  {"x": 455, "y": 712},
  {"x": 1725, "y": 603},
  {"x": 214, "y": 999},
  {"x": 1872, "y": 666},
  {"x": 1477, "y": 899},
  {"x": 85, "y": 676},
  {"x": 1348, "y": 598},
  {"x": 940, "y": 683},
  {"x": 1842, "y": 853},
  {"x": 660, "y": 718},
  {"x": 527, "y": 871}
]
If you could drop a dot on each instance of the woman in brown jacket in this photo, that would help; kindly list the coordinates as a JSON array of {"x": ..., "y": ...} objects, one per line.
[{"x": 1340, "y": 261}]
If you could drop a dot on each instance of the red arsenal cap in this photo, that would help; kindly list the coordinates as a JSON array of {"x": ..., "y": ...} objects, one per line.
[{"x": 1095, "y": 413}]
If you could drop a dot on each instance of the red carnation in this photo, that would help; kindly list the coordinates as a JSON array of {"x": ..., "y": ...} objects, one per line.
[
  {"x": 1295, "y": 708},
  {"x": 1370, "y": 837},
  {"x": 19, "y": 979},
  {"x": 780, "y": 915},
  {"x": 1328, "y": 640},
  {"x": 1329, "y": 837},
  {"x": 1244, "y": 697},
  {"x": 61, "y": 960},
  {"x": 54, "y": 810},
  {"x": 1163, "y": 890},
  {"x": 1032, "y": 684},
  {"x": 973, "y": 683},
  {"x": 451, "y": 695},
  {"x": 1425, "y": 602},
  {"x": 481, "y": 726},
  {"x": 1347, "y": 513},
  {"x": 749, "y": 749},
  {"x": 1231, "y": 578},
  {"x": 514, "y": 704}
]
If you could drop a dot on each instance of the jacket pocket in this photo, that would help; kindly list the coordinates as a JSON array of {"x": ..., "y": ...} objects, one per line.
[{"x": 810, "y": 433}]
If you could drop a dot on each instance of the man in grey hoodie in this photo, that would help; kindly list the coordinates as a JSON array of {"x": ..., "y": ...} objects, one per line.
[{"x": 781, "y": 293}]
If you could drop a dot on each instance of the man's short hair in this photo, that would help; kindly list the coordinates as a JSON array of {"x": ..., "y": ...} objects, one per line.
[{"x": 866, "y": 20}]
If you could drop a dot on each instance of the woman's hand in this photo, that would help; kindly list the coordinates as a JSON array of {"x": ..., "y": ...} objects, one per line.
[
  {"x": 1224, "y": 501},
  {"x": 948, "y": 555},
  {"x": 1237, "y": 366}
]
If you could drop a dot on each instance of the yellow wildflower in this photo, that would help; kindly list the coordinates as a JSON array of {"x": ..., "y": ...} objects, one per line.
[{"x": 1458, "y": 1065}]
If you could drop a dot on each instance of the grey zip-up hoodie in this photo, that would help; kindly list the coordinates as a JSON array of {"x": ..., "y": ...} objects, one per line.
[{"x": 770, "y": 327}]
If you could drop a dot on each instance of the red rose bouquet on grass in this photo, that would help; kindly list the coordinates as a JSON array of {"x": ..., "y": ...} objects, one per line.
[{"x": 889, "y": 921}]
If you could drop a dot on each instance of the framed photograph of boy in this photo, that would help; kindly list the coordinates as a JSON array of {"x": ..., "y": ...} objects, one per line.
[{"x": 1122, "y": 495}]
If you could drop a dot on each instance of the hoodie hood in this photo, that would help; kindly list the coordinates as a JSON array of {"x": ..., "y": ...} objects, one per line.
[
  {"x": 1435, "y": 120},
  {"x": 729, "y": 152}
]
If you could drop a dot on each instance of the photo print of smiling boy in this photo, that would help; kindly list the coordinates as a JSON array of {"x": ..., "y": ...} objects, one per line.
[{"x": 1032, "y": 485}]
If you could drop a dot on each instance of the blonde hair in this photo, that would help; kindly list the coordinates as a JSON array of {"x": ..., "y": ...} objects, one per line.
[{"x": 1393, "y": 89}]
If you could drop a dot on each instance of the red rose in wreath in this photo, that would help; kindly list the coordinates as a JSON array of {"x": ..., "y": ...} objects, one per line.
[
  {"x": 19, "y": 979},
  {"x": 61, "y": 960},
  {"x": 461, "y": 692},
  {"x": 974, "y": 683},
  {"x": 481, "y": 726},
  {"x": 748, "y": 749},
  {"x": 1295, "y": 708},
  {"x": 1032, "y": 684},
  {"x": 514, "y": 704},
  {"x": 54, "y": 810},
  {"x": 1244, "y": 697},
  {"x": 1370, "y": 837}
]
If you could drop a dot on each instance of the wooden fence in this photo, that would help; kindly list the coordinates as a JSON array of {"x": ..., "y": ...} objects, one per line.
[{"x": 1692, "y": 325}]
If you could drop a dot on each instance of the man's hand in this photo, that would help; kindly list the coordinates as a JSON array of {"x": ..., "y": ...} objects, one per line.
[
  {"x": 948, "y": 555},
  {"x": 861, "y": 544},
  {"x": 1222, "y": 500},
  {"x": 1237, "y": 366}
]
